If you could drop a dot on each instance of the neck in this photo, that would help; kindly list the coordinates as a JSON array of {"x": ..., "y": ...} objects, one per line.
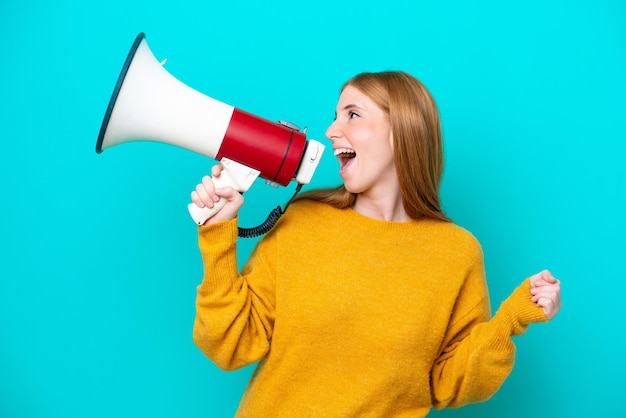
[{"x": 388, "y": 208}]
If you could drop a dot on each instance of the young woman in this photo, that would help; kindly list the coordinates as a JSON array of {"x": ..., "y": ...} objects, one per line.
[{"x": 363, "y": 300}]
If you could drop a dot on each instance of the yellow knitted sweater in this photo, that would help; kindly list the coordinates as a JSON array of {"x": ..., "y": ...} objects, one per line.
[{"x": 356, "y": 317}]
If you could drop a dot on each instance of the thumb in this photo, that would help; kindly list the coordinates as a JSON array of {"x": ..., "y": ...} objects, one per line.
[
  {"x": 547, "y": 276},
  {"x": 227, "y": 193},
  {"x": 542, "y": 278}
]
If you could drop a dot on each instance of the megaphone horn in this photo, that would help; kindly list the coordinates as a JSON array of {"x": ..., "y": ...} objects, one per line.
[{"x": 149, "y": 104}]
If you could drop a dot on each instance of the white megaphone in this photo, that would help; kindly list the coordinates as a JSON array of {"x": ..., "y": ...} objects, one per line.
[{"x": 149, "y": 104}]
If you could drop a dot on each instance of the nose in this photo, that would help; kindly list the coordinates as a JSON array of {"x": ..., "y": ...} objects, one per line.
[{"x": 333, "y": 131}]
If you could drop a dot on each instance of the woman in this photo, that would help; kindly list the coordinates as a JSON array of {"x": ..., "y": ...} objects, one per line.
[{"x": 364, "y": 300}]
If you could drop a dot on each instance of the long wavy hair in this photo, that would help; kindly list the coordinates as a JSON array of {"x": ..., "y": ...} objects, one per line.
[{"x": 417, "y": 141}]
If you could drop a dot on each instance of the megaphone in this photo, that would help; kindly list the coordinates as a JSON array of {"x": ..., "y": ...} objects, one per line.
[{"x": 149, "y": 104}]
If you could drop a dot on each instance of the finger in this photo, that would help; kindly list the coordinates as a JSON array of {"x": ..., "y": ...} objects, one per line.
[
  {"x": 216, "y": 170},
  {"x": 548, "y": 287},
  {"x": 546, "y": 304},
  {"x": 535, "y": 280},
  {"x": 201, "y": 198},
  {"x": 209, "y": 186},
  {"x": 542, "y": 278},
  {"x": 229, "y": 194},
  {"x": 549, "y": 306},
  {"x": 203, "y": 195},
  {"x": 549, "y": 290},
  {"x": 226, "y": 192},
  {"x": 195, "y": 198}
]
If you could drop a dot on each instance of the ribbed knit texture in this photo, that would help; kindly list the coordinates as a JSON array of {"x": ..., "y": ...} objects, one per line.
[{"x": 356, "y": 317}]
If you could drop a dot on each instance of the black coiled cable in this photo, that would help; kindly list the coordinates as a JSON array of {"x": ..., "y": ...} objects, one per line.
[{"x": 271, "y": 220}]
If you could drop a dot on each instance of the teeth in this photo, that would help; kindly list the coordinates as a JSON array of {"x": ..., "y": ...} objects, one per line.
[{"x": 340, "y": 151}]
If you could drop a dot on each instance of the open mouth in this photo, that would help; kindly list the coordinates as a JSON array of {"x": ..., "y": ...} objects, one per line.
[{"x": 345, "y": 155}]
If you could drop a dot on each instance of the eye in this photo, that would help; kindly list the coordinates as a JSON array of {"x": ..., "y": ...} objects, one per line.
[{"x": 353, "y": 115}]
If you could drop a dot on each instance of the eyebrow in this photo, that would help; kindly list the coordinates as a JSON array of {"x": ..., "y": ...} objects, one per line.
[{"x": 351, "y": 106}]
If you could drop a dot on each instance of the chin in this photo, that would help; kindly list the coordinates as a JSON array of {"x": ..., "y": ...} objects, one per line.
[{"x": 352, "y": 188}]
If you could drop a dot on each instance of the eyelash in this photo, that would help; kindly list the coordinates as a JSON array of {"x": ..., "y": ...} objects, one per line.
[{"x": 351, "y": 115}]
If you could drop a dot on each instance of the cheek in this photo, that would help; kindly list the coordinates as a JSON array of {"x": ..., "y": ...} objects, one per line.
[
  {"x": 388, "y": 152},
  {"x": 386, "y": 144},
  {"x": 382, "y": 155}
]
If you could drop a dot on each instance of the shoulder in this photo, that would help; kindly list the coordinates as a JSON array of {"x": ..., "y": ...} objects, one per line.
[
  {"x": 302, "y": 216},
  {"x": 453, "y": 240},
  {"x": 309, "y": 204},
  {"x": 451, "y": 232},
  {"x": 306, "y": 209}
]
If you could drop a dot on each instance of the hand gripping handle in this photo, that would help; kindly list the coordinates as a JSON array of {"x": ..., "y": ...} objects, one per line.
[{"x": 235, "y": 175}]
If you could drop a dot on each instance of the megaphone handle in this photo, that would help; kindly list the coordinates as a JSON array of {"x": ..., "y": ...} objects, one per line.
[
  {"x": 200, "y": 215},
  {"x": 235, "y": 175}
]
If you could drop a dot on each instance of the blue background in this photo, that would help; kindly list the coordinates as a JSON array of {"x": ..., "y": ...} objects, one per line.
[{"x": 99, "y": 263}]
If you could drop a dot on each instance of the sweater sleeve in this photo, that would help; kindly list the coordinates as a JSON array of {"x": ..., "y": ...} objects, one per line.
[
  {"x": 479, "y": 352},
  {"x": 234, "y": 312}
]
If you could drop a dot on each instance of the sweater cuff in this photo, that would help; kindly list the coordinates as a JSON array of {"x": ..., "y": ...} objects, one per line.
[
  {"x": 213, "y": 236},
  {"x": 518, "y": 310},
  {"x": 218, "y": 247}
]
